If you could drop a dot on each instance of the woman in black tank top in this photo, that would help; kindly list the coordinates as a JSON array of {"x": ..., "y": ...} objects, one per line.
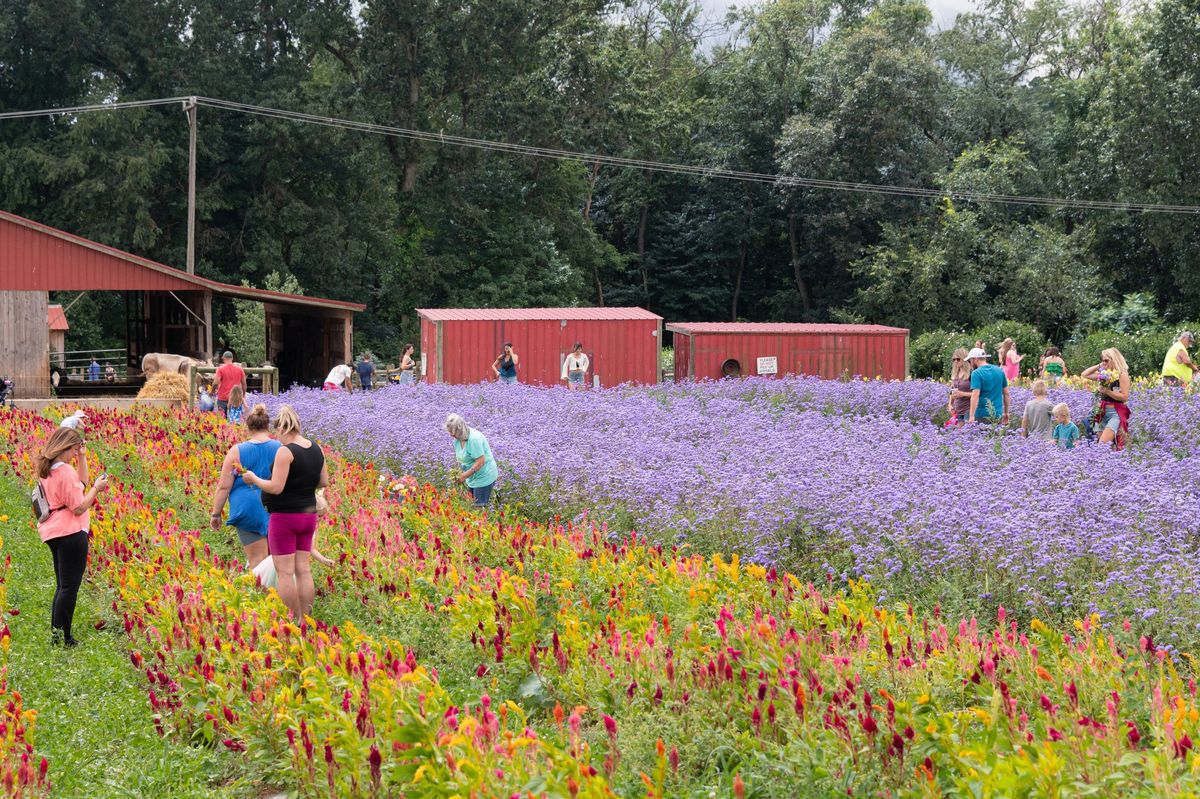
[{"x": 291, "y": 497}]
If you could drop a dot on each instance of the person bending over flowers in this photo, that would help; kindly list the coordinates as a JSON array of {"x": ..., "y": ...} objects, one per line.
[{"x": 474, "y": 456}]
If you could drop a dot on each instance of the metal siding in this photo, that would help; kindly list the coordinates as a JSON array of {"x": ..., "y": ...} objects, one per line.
[
  {"x": 683, "y": 354},
  {"x": 620, "y": 350},
  {"x": 822, "y": 355}
]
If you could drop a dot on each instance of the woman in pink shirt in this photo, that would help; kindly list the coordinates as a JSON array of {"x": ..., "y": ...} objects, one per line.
[
  {"x": 65, "y": 531},
  {"x": 1010, "y": 360}
]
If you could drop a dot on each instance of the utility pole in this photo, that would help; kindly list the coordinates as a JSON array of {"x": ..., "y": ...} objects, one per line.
[{"x": 189, "y": 107}]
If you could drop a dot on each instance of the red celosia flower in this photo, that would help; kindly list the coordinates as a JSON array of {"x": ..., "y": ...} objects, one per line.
[
  {"x": 1133, "y": 735},
  {"x": 610, "y": 726}
]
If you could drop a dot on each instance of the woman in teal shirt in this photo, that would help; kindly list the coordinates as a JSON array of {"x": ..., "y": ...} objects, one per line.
[{"x": 474, "y": 458}]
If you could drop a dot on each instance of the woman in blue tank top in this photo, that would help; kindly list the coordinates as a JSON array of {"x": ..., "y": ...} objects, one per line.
[
  {"x": 246, "y": 512},
  {"x": 505, "y": 365}
]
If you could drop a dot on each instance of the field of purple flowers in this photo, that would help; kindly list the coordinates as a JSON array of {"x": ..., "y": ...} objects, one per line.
[{"x": 852, "y": 478}]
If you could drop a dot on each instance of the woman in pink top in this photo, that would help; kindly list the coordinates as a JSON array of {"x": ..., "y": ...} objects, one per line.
[
  {"x": 66, "y": 529},
  {"x": 1010, "y": 361}
]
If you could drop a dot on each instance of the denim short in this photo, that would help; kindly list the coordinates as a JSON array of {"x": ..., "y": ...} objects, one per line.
[
  {"x": 575, "y": 377},
  {"x": 248, "y": 537},
  {"x": 407, "y": 378},
  {"x": 510, "y": 379},
  {"x": 1111, "y": 420},
  {"x": 483, "y": 495}
]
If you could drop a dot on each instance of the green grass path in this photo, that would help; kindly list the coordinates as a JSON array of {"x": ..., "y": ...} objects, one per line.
[{"x": 93, "y": 722}]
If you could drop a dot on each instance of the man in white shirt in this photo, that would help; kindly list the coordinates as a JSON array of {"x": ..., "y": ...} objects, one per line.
[{"x": 338, "y": 378}]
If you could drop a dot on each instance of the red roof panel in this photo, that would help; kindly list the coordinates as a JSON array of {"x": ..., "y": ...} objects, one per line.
[
  {"x": 781, "y": 328},
  {"x": 57, "y": 318},
  {"x": 533, "y": 314},
  {"x": 37, "y": 257}
]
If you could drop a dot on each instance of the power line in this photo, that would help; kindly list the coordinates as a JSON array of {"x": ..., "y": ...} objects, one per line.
[
  {"x": 707, "y": 173},
  {"x": 84, "y": 109}
]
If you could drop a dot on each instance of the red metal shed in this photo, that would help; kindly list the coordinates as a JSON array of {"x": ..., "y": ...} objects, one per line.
[
  {"x": 719, "y": 349},
  {"x": 459, "y": 345}
]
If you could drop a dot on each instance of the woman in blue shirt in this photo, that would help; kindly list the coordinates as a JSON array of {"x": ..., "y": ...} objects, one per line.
[
  {"x": 474, "y": 454},
  {"x": 246, "y": 512}
]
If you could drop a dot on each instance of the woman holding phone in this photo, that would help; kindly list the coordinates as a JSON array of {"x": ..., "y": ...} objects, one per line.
[{"x": 62, "y": 471}]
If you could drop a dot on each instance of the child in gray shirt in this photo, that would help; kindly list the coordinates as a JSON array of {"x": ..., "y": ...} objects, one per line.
[{"x": 1038, "y": 420}]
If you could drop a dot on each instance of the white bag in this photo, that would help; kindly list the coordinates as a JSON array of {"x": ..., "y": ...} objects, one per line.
[{"x": 265, "y": 573}]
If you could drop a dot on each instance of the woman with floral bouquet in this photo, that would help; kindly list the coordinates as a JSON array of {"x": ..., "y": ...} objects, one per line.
[{"x": 1112, "y": 415}]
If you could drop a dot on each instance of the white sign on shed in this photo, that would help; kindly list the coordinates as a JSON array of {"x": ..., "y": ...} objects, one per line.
[{"x": 768, "y": 366}]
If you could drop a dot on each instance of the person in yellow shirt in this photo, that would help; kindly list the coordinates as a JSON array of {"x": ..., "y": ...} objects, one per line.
[{"x": 1178, "y": 368}]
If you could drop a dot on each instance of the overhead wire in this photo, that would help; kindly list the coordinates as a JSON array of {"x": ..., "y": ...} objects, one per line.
[
  {"x": 84, "y": 109},
  {"x": 703, "y": 172}
]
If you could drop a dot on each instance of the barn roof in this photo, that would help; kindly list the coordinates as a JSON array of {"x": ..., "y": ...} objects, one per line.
[
  {"x": 37, "y": 257},
  {"x": 57, "y": 318},
  {"x": 533, "y": 314},
  {"x": 782, "y": 328}
]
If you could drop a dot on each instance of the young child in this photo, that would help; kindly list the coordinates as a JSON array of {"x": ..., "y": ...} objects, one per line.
[
  {"x": 1065, "y": 431},
  {"x": 237, "y": 405},
  {"x": 1037, "y": 421}
]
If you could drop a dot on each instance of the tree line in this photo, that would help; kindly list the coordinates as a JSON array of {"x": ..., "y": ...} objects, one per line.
[{"x": 1091, "y": 101}]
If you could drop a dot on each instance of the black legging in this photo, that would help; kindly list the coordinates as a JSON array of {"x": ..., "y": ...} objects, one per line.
[{"x": 70, "y": 560}]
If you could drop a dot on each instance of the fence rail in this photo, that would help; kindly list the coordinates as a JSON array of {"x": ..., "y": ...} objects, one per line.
[
  {"x": 77, "y": 364},
  {"x": 269, "y": 375}
]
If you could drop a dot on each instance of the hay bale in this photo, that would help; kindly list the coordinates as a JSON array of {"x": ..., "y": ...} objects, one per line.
[{"x": 165, "y": 385}]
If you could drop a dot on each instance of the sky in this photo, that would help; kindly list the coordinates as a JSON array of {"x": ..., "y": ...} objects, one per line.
[{"x": 944, "y": 11}]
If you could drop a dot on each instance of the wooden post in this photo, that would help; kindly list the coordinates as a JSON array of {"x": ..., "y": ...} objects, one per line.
[{"x": 192, "y": 387}]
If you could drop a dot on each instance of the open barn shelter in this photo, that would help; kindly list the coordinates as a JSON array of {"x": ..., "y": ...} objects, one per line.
[
  {"x": 459, "y": 345},
  {"x": 712, "y": 350},
  {"x": 166, "y": 309}
]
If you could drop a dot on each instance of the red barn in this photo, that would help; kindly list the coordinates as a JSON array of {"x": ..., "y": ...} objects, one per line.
[
  {"x": 722, "y": 349},
  {"x": 167, "y": 309},
  {"x": 459, "y": 345}
]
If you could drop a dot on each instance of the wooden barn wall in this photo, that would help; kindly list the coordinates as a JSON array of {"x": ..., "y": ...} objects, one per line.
[{"x": 25, "y": 341}]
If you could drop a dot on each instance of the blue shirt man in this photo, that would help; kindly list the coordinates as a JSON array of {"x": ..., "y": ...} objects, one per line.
[
  {"x": 366, "y": 373},
  {"x": 989, "y": 389}
]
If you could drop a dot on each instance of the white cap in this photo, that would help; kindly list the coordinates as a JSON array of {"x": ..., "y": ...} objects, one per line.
[
  {"x": 977, "y": 353},
  {"x": 73, "y": 420}
]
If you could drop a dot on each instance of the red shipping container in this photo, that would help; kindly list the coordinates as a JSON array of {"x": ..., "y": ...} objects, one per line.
[
  {"x": 711, "y": 350},
  {"x": 459, "y": 345}
]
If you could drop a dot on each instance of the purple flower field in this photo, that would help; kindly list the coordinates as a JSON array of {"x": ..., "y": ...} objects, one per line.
[{"x": 848, "y": 477}]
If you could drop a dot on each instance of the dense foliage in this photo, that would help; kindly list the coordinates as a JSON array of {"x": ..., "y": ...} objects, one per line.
[
  {"x": 1094, "y": 100},
  {"x": 454, "y": 654}
]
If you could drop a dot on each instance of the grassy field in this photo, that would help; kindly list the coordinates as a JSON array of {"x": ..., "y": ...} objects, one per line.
[{"x": 94, "y": 722}]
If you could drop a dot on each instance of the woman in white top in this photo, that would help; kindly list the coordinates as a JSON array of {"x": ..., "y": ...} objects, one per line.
[
  {"x": 575, "y": 368},
  {"x": 338, "y": 378}
]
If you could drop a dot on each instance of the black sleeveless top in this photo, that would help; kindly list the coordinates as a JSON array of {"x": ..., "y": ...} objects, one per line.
[{"x": 299, "y": 493}]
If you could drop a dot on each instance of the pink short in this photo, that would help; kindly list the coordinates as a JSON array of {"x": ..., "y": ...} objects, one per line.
[
  {"x": 289, "y": 533},
  {"x": 331, "y": 387}
]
